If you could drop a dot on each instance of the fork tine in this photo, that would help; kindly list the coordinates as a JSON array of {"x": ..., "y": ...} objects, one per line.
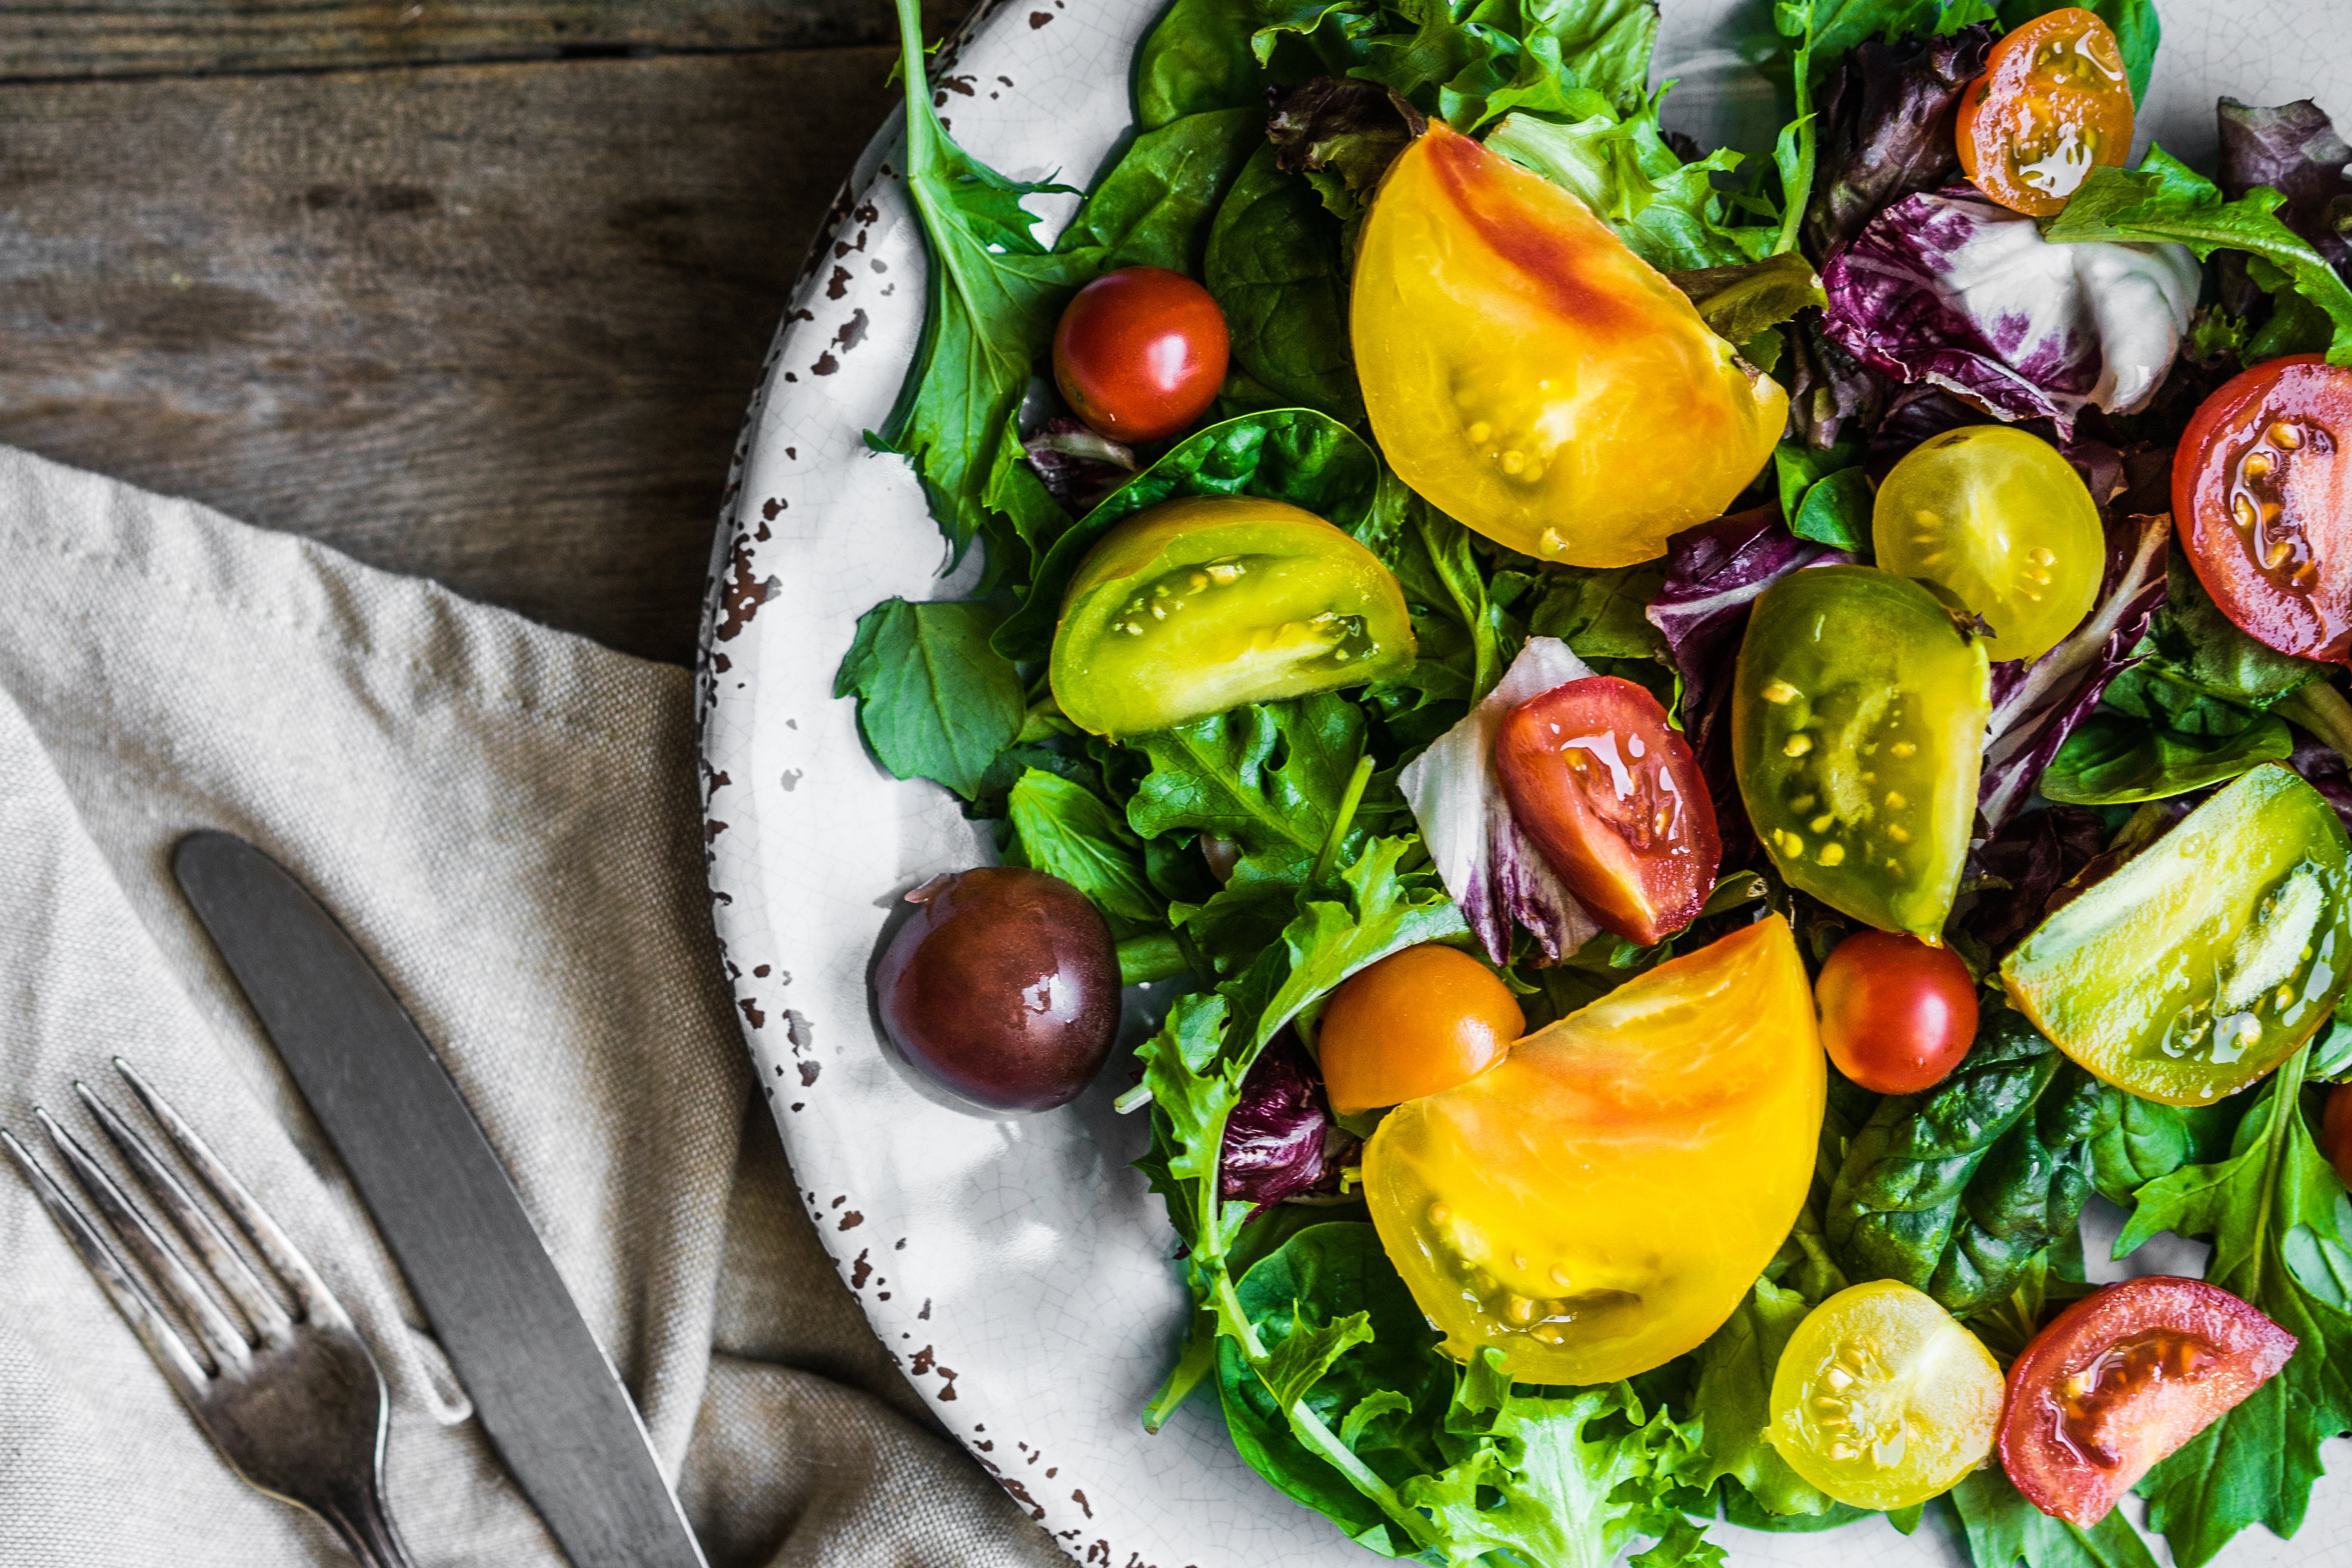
[
  {"x": 130, "y": 1298},
  {"x": 162, "y": 1263},
  {"x": 318, "y": 1303},
  {"x": 229, "y": 1270}
]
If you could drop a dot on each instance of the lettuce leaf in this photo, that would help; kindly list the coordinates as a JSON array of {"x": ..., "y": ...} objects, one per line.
[
  {"x": 1669, "y": 213},
  {"x": 1887, "y": 128}
]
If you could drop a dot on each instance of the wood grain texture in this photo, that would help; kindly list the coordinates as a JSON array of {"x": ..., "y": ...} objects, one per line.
[
  {"x": 52, "y": 39},
  {"x": 494, "y": 324}
]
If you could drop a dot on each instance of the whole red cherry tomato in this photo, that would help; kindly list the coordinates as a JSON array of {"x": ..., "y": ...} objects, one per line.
[
  {"x": 2336, "y": 1130},
  {"x": 1896, "y": 1015},
  {"x": 1611, "y": 797},
  {"x": 2262, "y": 496},
  {"x": 1141, "y": 352},
  {"x": 2052, "y": 104}
]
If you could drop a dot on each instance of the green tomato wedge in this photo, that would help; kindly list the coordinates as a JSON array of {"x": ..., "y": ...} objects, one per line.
[
  {"x": 1194, "y": 606},
  {"x": 1857, "y": 728},
  {"x": 2210, "y": 956}
]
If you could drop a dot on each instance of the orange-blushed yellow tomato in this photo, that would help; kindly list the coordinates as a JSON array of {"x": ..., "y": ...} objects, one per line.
[
  {"x": 1601, "y": 1200},
  {"x": 1526, "y": 373},
  {"x": 1416, "y": 1023},
  {"x": 2053, "y": 103}
]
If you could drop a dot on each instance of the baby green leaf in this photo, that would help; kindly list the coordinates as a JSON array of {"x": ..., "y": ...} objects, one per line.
[{"x": 934, "y": 700}]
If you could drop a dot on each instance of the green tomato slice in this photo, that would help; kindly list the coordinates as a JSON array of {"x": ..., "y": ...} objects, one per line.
[
  {"x": 1858, "y": 717},
  {"x": 2210, "y": 956},
  {"x": 1197, "y": 606}
]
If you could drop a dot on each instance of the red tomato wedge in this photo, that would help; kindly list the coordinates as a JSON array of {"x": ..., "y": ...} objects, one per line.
[
  {"x": 1611, "y": 797},
  {"x": 2262, "y": 496},
  {"x": 2123, "y": 1377}
]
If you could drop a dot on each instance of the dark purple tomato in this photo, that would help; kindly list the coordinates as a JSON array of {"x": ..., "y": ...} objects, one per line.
[{"x": 1003, "y": 987}]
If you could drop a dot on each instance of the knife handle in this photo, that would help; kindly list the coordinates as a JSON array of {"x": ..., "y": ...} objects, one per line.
[{"x": 366, "y": 1529}]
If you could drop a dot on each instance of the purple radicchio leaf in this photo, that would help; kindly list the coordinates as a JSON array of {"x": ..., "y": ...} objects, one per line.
[
  {"x": 2036, "y": 706},
  {"x": 2024, "y": 865},
  {"x": 1715, "y": 574},
  {"x": 1487, "y": 864},
  {"x": 1078, "y": 466},
  {"x": 1274, "y": 1138},
  {"x": 2294, "y": 150},
  {"x": 1952, "y": 290},
  {"x": 1887, "y": 116}
]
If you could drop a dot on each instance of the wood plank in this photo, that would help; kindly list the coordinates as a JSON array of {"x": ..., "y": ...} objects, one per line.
[
  {"x": 57, "y": 39},
  {"x": 495, "y": 324}
]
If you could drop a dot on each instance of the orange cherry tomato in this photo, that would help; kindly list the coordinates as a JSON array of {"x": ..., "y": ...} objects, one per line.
[
  {"x": 1416, "y": 1022},
  {"x": 1896, "y": 1015},
  {"x": 2262, "y": 496},
  {"x": 2336, "y": 1130},
  {"x": 1141, "y": 352},
  {"x": 2052, "y": 104}
]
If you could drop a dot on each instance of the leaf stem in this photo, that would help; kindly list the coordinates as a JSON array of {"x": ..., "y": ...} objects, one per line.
[
  {"x": 1342, "y": 819},
  {"x": 1200, "y": 1354},
  {"x": 2319, "y": 708}
]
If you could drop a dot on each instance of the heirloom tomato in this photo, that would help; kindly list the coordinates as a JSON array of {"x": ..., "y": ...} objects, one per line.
[
  {"x": 1882, "y": 1399},
  {"x": 2262, "y": 496},
  {"x": 1601, "y": 1200},
  {"x": 1141, "y": 352},
  {"x": 1196, "y": 606},
  {"x": 1527, "y": 373},
  {"x": 1857, "y": 727},
  {"x": 2052, "y": 104},
  {"x": 2123, "y": 1377},
  {"x": 2207, "y": 958},
  {"x": 1416, "y": 1022},
  {"x": 1997, "y": 517}
]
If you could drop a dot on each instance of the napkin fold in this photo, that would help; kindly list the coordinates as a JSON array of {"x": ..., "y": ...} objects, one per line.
[{"x": 504, "y": 818}]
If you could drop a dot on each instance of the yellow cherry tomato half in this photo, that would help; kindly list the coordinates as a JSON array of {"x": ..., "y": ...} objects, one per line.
[
  {"x": 1882, "y": 1399},
  {"x": 1997, "y": 517},
  {"x": 1601, "y": 1200},
  {"x": 1416, "y": 1023},
  {"x": 1526, "y": 373}
]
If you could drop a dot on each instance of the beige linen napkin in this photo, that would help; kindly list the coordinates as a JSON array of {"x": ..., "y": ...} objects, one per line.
[{"x": 504, "y": 818}]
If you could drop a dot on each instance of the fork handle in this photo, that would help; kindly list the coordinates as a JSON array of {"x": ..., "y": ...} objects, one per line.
[{"x": 366, "y": 1529}]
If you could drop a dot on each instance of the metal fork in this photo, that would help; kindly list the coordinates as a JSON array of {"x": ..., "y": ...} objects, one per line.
[{"x": 295, "y": 1403}]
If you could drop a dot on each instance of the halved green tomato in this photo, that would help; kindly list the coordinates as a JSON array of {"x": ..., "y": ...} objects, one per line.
[
  {"x": 1193, "y": 607},
  {"x": 1997, "y": 517},
  {"x": 2210, "y": 956},
  {"x": 1882, "y": 1399},
  {"x": 1858, "y": 718}
]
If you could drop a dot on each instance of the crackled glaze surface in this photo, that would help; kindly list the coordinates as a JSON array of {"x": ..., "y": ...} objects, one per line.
[{"x": 1017, "y": 1268}]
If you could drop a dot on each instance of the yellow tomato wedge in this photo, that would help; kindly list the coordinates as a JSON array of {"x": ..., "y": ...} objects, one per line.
[
  {"x": 1601, "y": 1200},
  {"x": 1528, "y": 373}
]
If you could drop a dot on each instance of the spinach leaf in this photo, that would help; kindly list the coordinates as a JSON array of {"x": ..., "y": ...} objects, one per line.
[
  {"x": 1274, "y": 265},
  {"x": 1197, "y": 58},
  {"x": 1668, "y": 212},
  {"x": 1068, "y": 830},
  {"x": 2148, "y": 1141},
  {"x": 1954, "y": 1191},
  {"x": 2256, "y": 1463},
  {"x": 995, "y": 294},
  {"x": 2115, "y": 760},
  {"x": 2137, "y": 32},
  {"x": 1600, "y": 613},
  {"x": 2190, "y": 641},
  {"x": 1836, "y": 511},
  {"x": 934, "y": 700},
  {"x": 1155, "y": 206},
  {"x": 2003, "y": 1530},
  {"x": 2164, "y": 199},
  {"x": 1293, "y": 454}
]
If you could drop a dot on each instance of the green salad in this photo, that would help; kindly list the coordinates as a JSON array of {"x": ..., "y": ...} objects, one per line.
[{"x": 1704, "y": 750}]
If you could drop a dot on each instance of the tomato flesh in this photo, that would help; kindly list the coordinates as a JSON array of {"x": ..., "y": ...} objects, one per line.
[
  {"x": 2052, "y": 104},
  {"x": 1141, "y": 352},
  {"x": 1610, "y": 794},
  {"x": 2123, "y": 1377},
  {"x": 1601, "y": 1200},
  {"x": 1882, "y": 1400},
  {"x": 1896, "y": 1015},
  {"x": 1193, "y": 607},
  {"x": 1997, "y": 517},
  {"x": 1417, "y": 1023},
  {"x": 2262, "y": 496}
]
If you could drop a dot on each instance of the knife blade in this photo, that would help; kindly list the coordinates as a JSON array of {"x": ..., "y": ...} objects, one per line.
[{"x": 547, "y": 1396}]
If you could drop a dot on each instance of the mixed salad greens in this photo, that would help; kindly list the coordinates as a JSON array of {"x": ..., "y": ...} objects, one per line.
[{"x": 1717, "y": 745}]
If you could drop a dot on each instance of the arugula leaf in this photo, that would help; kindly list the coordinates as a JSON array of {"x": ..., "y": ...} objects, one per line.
[
  {"x": 2257, "y": 1463},
  {"x": 2115, "y": 760},
  {"x": 934, "y": 700},
  {"x": 995, "y": 294},
  {"x": 1668, "y": 212},
  {"x": 1274, "y": 265},
  {"x": 1461, "y": 631},
  {"x": 1294, "y": 455},
  {"x": 2003, "y": 1529},
  {"x": 1066, "y": 830},
  {"x": 2133, "y": 24},
  {"x": 2165, "y": 200}
]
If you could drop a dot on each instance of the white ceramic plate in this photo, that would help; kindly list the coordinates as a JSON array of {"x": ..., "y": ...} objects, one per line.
[{"x": 1017, "y": 1268}]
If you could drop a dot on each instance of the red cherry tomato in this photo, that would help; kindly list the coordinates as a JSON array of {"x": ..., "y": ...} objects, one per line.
[
  {"x": 1141, "y": 352},
  {"x": 2123, "y": 1377},
  {"x": 2262, "y": 494},
  {"x": 2052, "y": 104},
  {"x": 1611, "y": 797},
  {"x": 1896, "y": 1015},
  {"x": 2335, "y": 1132}
]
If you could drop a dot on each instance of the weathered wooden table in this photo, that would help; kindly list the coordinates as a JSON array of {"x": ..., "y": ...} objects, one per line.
[{"x": 472, "y": 288}]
